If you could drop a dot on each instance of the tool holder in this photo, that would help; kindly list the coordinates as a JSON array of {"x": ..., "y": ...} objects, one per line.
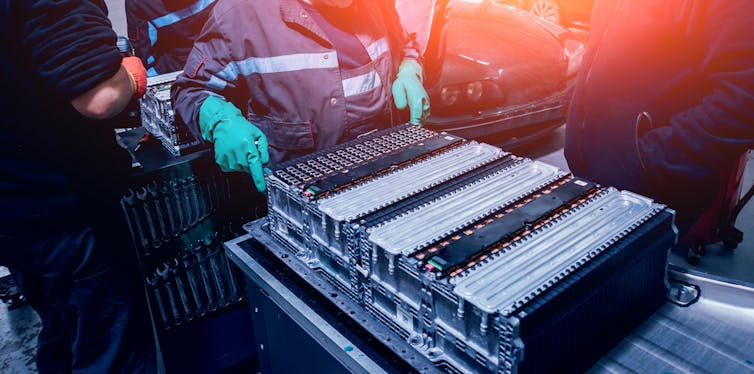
[{"x": 178, "y": 223}]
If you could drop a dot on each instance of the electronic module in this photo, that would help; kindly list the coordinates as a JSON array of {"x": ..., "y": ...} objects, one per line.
[
  {"x": 482, "y": 260},
  {"x": 158, "y": 117}
]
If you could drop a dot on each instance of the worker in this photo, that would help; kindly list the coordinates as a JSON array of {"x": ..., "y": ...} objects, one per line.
[
  {"x": 163, "y": 32},
  {"x": 664, "y": 99},
  {"x": 268, "y": 80},
  {"x": 61, "y": 231}
]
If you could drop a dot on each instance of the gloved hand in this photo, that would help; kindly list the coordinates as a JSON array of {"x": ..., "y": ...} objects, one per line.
[
  {"x": 408, "y": 90},
  {"x": 137, "y": 73},
  {"x": 239, "y": 145}
]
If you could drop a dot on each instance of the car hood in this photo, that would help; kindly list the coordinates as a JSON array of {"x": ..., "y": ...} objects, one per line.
[{"x": 505, "y": 47}]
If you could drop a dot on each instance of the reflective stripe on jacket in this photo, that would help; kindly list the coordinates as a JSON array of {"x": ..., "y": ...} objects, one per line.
[
  {"x": 163, "y": 32},
  {"x": 272, "y": 61}
]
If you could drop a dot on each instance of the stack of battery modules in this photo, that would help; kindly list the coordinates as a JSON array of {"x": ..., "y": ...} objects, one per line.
[
  {"x": 482, "y": 260},
  {"x": 158, "y": 117}
]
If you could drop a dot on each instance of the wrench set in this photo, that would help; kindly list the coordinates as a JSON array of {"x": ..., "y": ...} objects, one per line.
[{"x": 173, "y": 225}]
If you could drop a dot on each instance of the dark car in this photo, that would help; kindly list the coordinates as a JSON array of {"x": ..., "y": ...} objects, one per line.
[
  {"x": 493, "y": 72},
  {"x": 566, "y": 12}
]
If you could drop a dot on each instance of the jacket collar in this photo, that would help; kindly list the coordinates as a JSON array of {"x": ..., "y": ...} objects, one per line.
[{"x": 292, "y": 12}]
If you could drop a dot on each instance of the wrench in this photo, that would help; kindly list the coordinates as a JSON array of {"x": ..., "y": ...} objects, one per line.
[
  {"x": 143, "y": 196},
  {"x": 190, "y": 265},
  {"x": 194, "y": 200},
  {"x": 235, "y": 292},
  {"x": 165, "y": 192},
  {"x": 154, "y": 193},
  {"x": 175, "y": 273},
  {"x": 186, "y": 204},
  {"x": 152, "y": 282},
  {"x": 163, "y": 272},
  {"x": 213, "y": 250},
  {"x": 209, "y": 196},
  {"x": 201, "y": 199},
  {"x": 176, "y": 192},
  {"x": 130, "y": 200},
  {"x": 203, "y": 270}
]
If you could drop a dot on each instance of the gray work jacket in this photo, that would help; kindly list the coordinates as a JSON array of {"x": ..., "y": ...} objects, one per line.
[{"x": 270, "y": 59}]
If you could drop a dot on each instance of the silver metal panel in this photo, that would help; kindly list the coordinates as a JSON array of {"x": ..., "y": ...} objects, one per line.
[
  {"x": 158, "y": 117},
  {"x": 362, "y": 199},
  {"x": 530, "y": 266},
  {"x": 714, "y": 335},
  {"x": 321, "y": 331},
  {"x": 439, "y": 218},
  {"x": 163, "y": 78}
]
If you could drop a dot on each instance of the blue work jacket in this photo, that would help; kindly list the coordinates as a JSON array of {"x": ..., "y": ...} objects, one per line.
[
  {"x": 276, "y": 64},
  {"x": 665, "y": 98},
  {"x": 163, "y": 32}
]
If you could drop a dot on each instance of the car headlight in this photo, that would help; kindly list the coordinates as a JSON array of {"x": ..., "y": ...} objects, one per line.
[
  {"x": 476, "y": 94},
  {"x": 574, "y": 51},
  {"x": 474, "y": 91},
  {"x": 449, "y": 95}
]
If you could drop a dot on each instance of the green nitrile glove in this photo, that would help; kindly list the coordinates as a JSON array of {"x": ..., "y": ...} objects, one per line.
[
  {"x": 408, "y": 90},
  {"x": 239, "y": 145}
]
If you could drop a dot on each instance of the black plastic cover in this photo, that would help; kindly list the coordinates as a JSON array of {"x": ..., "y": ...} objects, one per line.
[
  {"x": 411, "y": 154},
  {"x": 461, "y": 251}
]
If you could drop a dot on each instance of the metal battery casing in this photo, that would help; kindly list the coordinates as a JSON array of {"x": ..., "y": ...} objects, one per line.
[
  {"x": 364, "y": 242},
  {"x": 326, "y": 230},
  {"x": 158, "y": 117}
]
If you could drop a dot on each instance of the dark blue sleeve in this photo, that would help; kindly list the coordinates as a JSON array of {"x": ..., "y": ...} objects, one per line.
[
  {"x": 720, "y": 128},
  {"x": 70, "y": 44},
  {"x": 138, "y": 29}
]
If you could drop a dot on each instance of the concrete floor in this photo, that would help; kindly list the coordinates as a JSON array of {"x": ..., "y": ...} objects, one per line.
[
  {"x": 19, "y": 328},
  {"x": 18, "y": 340}
]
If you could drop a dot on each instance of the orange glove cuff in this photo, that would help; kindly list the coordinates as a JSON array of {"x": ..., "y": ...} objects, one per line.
[{"x": 137, "y": 73}]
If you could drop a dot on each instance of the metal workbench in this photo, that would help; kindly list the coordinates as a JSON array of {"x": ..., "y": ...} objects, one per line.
[
  {"x": 707, "y": 325},
  {"x": 714, "y": 334}
]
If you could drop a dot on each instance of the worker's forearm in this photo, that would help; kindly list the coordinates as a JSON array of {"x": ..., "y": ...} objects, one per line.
[{"x": 108, "y": 98}]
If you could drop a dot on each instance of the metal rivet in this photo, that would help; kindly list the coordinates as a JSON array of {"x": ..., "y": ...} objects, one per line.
[{"x": 333, "y": 101}]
